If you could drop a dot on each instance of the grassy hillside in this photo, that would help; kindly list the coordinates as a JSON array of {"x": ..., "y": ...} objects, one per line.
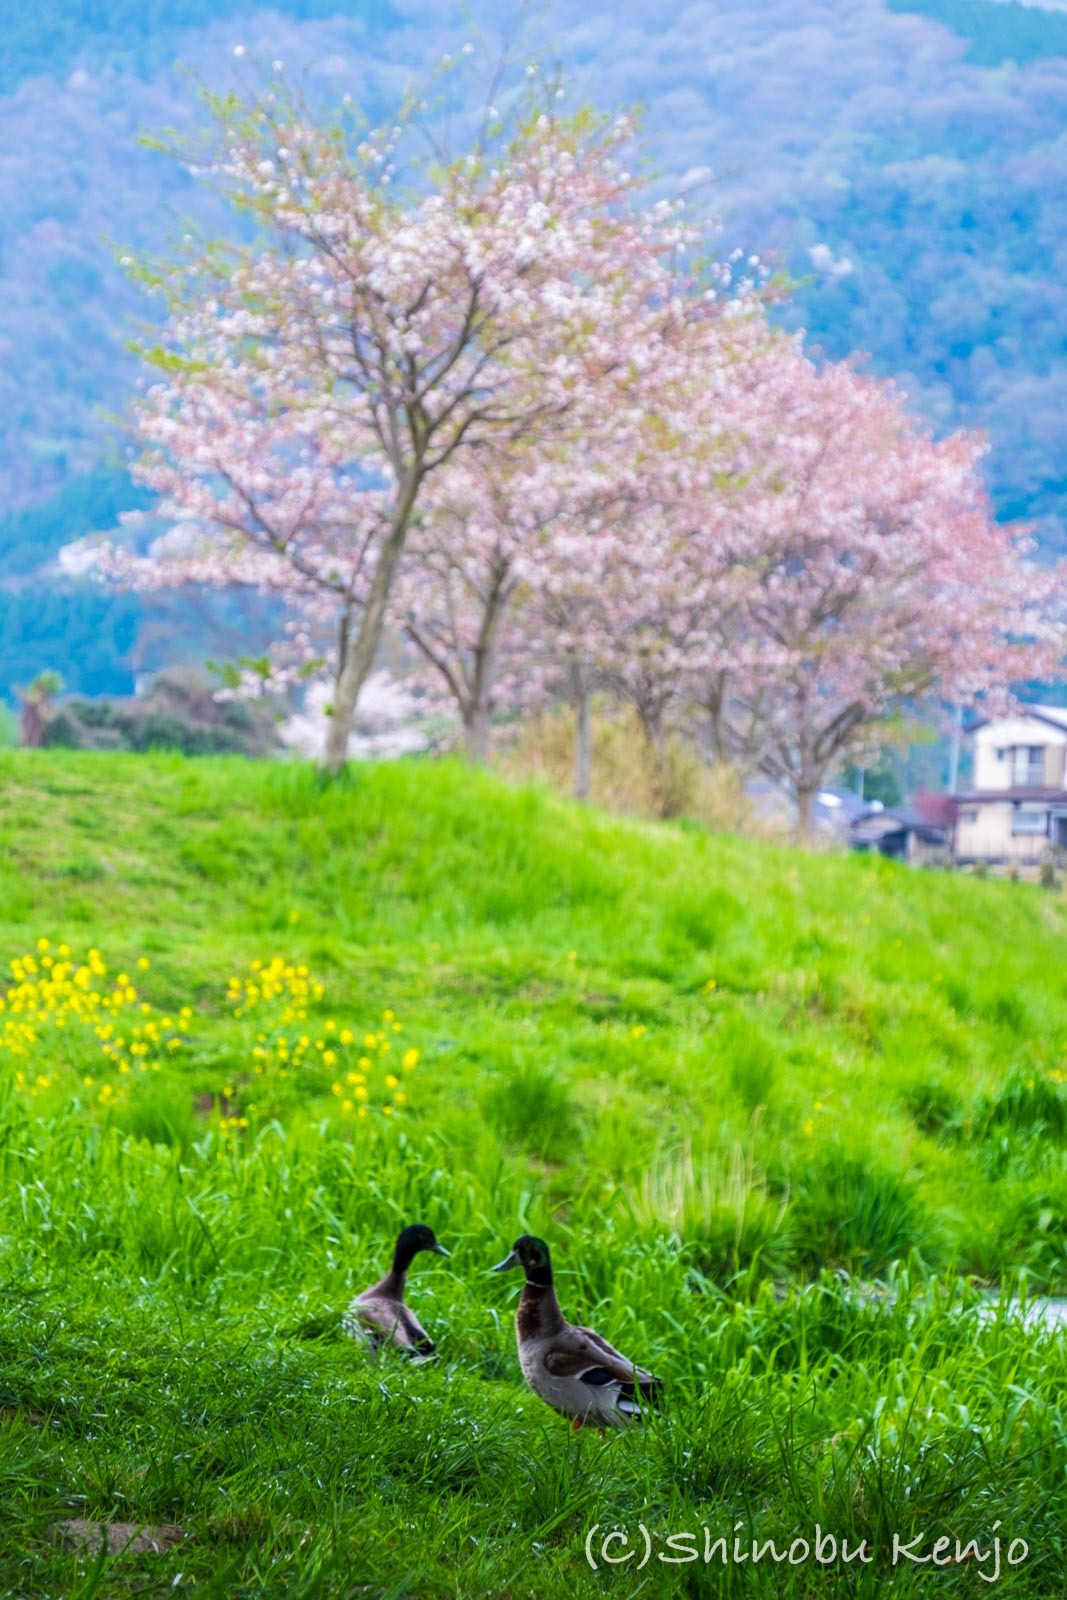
[{"x": 724, "y": 1081}]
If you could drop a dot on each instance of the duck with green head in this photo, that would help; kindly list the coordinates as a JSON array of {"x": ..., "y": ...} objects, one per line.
[
  {"x": 573, "y": 1369},
  {"x": 379, "y": 1315}
]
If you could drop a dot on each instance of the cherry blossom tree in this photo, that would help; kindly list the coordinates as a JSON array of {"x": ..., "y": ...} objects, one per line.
[
  {"x": 497, "y": 403},
  {"x": 508, "y": 570},
  {"x": 315, "y": 384},
  {"x": 640, "y": 582},
  {"x": 258, "y": 500},
  {"x": 868, "y": 572},
  {"x": 564, "y": 639},
  {"x": 468, "y": 554}
]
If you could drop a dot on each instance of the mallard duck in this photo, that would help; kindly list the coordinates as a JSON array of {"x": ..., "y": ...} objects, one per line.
[
  {"x": 576, "y": 1371},
  {"x": 378, "y": 1315}
]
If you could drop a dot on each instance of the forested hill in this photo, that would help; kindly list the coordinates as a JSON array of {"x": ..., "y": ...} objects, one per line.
[{"x": 907, "y": 161}]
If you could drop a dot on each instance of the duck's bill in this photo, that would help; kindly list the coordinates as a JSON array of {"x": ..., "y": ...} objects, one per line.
[
  {"x": 439, "y": 1250},
  {"x": 511, "y": 1260}
]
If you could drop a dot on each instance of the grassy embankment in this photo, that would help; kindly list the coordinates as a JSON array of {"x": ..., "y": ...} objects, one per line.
[{"x": 702, "y": 1068}]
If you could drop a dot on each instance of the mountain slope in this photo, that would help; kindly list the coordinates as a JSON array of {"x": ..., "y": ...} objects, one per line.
[{"x": 901, "y": 163}]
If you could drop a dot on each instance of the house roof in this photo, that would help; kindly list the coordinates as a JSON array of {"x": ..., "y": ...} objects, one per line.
[
  {"x": 912, "y": 817},
  {"x": 1055, "y": 716},
  {"x": 899, "y": 819},
  {"x": 1036, "y": 796},
  {"x": 842, "y": 805}
]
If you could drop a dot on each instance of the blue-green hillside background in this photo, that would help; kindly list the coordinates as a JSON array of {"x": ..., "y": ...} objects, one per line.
[{"x": 907, "y": 162}]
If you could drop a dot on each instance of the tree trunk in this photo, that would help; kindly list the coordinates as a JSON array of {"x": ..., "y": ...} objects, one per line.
[
  {"x": 31, "y": 730},
  {"x": 805, "y": 823},
  {"x": 476, "y": 717},
  {"x": 583, "y": 739},
  {"x": 476, "y": 734},
  {"x": 715, "y": 705},
  {"x": 656, "y": 739},
  {"x": 652, "y": 728},
  {"x": 359, "y": 653}
]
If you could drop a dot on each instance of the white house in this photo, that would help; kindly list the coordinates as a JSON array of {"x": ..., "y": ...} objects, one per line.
[{"x": 1016, "y": 808}]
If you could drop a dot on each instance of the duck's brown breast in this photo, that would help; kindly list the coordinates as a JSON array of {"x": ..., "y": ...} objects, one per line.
[{"x": 538, "y": 1314}]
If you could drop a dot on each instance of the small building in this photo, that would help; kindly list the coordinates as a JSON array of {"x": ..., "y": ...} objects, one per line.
[
  {"x": 1016, "y": 807},
  {"x": 906, "y": 833},
  {"x": 834, "y": 812},
  {"x": 836, "y": 809}
]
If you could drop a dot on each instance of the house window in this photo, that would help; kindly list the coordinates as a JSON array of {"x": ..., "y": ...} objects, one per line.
[
  {"x": 1028, "y": 766},
  {"x": 1029, "y": 821},
  {"x": 970, "y": 815}
]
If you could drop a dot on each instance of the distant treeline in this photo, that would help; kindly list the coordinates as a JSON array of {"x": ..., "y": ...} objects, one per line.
[
  {"x": 85, "y": 634},
  {"x": 137, "y": 34},
  {"x": 996, "y": 32},
  {"x": 89, "y": 503}
]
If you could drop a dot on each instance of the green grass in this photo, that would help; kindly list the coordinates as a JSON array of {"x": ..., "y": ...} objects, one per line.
[{"x": 729, "y": 1084}]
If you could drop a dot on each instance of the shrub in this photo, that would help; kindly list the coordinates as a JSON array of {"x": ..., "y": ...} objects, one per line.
[
  {"x": 625, "y": 776},
  {"x": 857, "y": 1216},
  {"x": 1033, "y": 1235},
  {"x": 162, "y": 1116},
  {"x": 533, "y": 1110},
  {"x": 720, "y": 1210},
  {"x": 179, "y": 712},
  {"x": 1031, "y": 1103},
  {"x": 750, "y": 1061},
  {"x": 934, "y": 1108},
  {"x": 1008, "y": 1011}
]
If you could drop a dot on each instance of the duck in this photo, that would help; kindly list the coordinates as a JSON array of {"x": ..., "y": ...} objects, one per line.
[
  {"x": 379, "y": 1316},
  {"x": 574, "y": 1370}
]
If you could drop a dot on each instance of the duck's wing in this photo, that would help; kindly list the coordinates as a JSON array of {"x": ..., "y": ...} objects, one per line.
[
  {"x": 379, "y": 1319},
  {"x": 581, "y": 1354}
]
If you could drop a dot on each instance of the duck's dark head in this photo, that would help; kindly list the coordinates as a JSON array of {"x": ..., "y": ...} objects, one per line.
[
  {"x": 532, "y": 1255},
  {"x": 414, "y": 1239}
]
